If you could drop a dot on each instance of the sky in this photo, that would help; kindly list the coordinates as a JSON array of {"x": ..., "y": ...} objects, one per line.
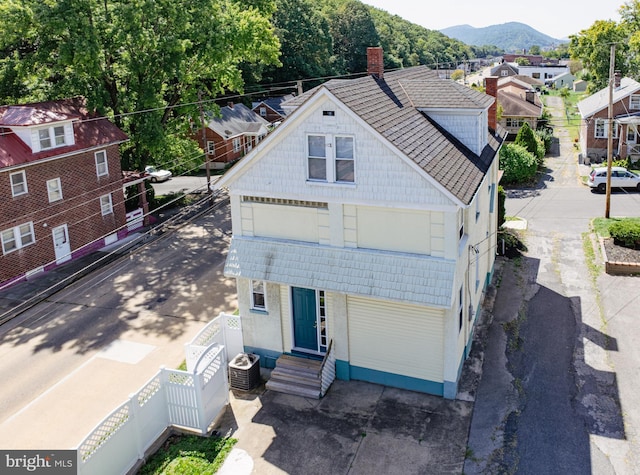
[{"x": 558, "y": 18}]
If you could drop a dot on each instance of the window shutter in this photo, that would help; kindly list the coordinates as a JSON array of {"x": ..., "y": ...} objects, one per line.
[
  {"x": 35, "y": 141},
  {"x": 68, "y": 134}
]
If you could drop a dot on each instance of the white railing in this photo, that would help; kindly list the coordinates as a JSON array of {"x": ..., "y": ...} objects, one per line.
[
  {"x": 328, "y": 369},
  {"x": 189, "y": 399},
  {"x": 135, "y": 219}
]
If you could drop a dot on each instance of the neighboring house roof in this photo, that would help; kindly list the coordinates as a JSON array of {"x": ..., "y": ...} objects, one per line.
[
  {"x": 408, "y": 277},
  {"x": 274, "y": 103},
  {"x": 515, "y": 81},
  {"x": 238, "y": 120},
  {"x": 515, "y": 106},
  {"x": 90, "y": 130},
  {"x": 391, "y": 107},
  {"x": 600, "y": 100},
  {"x": 566, "y": 75},
  {"x": 513, "y": 68}
]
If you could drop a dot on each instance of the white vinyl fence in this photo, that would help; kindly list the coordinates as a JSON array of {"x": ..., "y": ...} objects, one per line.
[{"x": 190, "y": 399}]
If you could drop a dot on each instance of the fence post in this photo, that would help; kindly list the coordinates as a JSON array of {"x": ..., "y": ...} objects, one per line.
[
  {"x": 134, "y": 414},
  {"x": 198, "y": 386}
]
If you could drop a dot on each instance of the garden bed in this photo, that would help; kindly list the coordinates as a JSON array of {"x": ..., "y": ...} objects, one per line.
[{"x": 620, "y": 260}]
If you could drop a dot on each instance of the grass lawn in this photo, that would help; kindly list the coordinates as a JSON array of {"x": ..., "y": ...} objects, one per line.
[
  {"x": 188, "y": 455},
  {"x": 601, "y": 225}
]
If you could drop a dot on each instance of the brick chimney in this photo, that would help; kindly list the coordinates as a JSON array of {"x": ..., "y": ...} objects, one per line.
[
  {"x": 530, "y": 96},
  {"x": 230, "y": 104},
  {"x": 491, "y": 88},
  {"x": 375, "y": 62}
]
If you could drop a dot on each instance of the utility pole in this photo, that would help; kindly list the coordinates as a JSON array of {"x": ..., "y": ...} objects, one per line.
[
  {"x": 612, "y": 64},
  {"x": 204, "y": 147}
]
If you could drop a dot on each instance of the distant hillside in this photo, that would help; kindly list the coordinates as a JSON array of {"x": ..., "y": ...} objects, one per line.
[{"x": 512, "y": 37}]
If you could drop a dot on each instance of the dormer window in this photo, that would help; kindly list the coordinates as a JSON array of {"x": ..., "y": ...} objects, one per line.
[{"x": 51, "y": 137}]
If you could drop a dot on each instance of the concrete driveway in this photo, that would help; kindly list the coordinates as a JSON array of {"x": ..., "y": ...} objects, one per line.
[{"x": 357, "y": 428}]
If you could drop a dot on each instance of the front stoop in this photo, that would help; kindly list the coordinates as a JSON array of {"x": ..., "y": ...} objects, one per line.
[{"x": 297, "y": 376}]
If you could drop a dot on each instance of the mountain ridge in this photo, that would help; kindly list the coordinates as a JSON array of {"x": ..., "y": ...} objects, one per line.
[{"x": 512, "y": 37}]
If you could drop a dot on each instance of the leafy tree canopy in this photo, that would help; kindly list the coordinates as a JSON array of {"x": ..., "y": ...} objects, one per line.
[{"x": 133, "y": 55}]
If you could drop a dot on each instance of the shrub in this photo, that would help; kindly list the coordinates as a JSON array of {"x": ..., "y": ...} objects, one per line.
[
  {"x": 510, "y": 244},
  {"x": 529, "y": 140},
  {"x": 502, "y": 210},
  {"x": 517, "y": 163},
  {"x": 626, "y": 233},
  {"x": 622, "y": 162},
  {"x": 546, "y": 136}
]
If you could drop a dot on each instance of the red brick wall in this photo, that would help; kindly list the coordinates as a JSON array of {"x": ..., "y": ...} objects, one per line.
[
  {"x": 599, "y": 146},
  {"x": 79, "y": 208},
  {"x": 224, "y": 148}
]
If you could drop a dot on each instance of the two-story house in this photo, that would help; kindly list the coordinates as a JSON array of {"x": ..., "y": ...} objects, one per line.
[
  {"x": 365, "y": 226},
  {"x": 60, "y": 185},
  {"x": 519, "y": 101},
  {"x": 594, "y": 127},
  {"x": 230, "y": 136}
]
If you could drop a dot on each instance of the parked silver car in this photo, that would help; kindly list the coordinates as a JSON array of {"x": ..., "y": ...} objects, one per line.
[
  {"x": 620, "y": 178},
  {"x": 156, "y": 174}
]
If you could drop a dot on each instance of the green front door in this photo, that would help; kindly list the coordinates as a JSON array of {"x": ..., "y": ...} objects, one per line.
[{"x": 305, "y": 326}]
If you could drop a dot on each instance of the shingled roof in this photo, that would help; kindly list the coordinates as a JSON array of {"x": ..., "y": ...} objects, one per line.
[{"x": 397, "y": 107}]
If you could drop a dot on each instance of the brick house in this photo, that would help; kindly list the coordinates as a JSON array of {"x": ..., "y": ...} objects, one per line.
[
  {"x": 60, "y": 185},
  {"x": 519, "y": 101},
  {"x": 594, "y": 130},
  {"x": 270, "y": 108},
  {"x": 230, "y": 136}
]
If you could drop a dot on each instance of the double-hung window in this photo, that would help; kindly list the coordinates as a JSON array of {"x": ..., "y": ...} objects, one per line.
[
  {"x": 17, "y": 237},
  {"x": 602, "y": 129},
  {"x": 237, "y": 144},
  {"x": 634, "y": 101},
  {"x": 258, "y": 295},
  {"x": 106, "y": 206},
  {"x": 54, "y": 189},
  {"x": 18, "y": 183},
  {"x": 51, "y": 137},
  {"x": 211, "y": 147},
  {"x": 102, "y": 167},
  {"x": 331, "y": 158}
]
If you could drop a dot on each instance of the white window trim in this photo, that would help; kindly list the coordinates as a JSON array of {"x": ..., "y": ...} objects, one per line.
[
  {"x": 254, "y": 306},
  {"x": 263, "y": 111},
  {"x": 211, "y": 147},
  {"x": 106, "y": 204},
  {"x": 52, "y": 138},
  {"x": 605, "y": 129},
  {"x": 237, "y": 144},
  {"x": 330, "y": 158},
  {"x": 634, "y": 101},
  {"x": 23, "y": 183},
  {"x": 57, "y": 189},
  {"x": 17, "y": 237},
  {"x": 105, "y": 163}
]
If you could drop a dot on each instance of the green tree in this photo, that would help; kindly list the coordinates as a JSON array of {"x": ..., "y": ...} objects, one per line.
[
  {"x": 353, "y": 31},
  {"x": 306, "y": 43},
  {"x": 135, "y": 55},
  {"x": 535, "y": 49},
  {"x": 457, "y": 74},
  {"x": 522, "y": 61},
  {"x": 593, "y": 47},
  {"x": 528, "y": 139},
  {"x": 519, "y": 165}
]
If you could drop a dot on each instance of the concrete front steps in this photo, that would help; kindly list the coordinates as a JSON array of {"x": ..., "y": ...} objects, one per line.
[{"x": 297, "y": 376}]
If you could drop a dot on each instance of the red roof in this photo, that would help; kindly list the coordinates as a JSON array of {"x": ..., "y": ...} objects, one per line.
[{"x": 89, "y": 130}]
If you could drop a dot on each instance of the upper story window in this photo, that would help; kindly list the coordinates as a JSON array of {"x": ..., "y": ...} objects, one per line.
[
  {"x": 634, "y": 101},
  {"x": 211, "y": 147},
  {"x": 106, "y": 206},
  {"x": 102, "y": 167},
  {"x": 602, "y": 129},
  {"x": 258, "y": 295},
  {"x": 263, "y": 111},
  {"x": 17, "y": 237},
  {"x": 504, "y": 73},
  {"x": 54, "y": 189},
  {"x": 18, "y": 183},
  {"x": 51, "y": 137},
  {"x": 331, "y": 158}
]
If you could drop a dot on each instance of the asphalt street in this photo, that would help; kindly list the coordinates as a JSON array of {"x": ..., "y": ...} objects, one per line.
[
  {"x": 59, "y": 355},
  {"x": 557, "y": 393}
]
